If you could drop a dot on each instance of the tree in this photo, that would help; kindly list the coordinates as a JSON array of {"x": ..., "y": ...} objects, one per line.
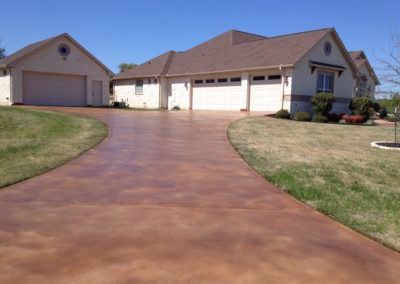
[
  {"x": 126, "y": 66},
  {"x": 390, "y": 67},
  {"x": 2, "y": 51}
]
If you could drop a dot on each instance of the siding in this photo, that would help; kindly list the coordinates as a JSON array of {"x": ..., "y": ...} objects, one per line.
[
  {"x": 179, "y": 92},
  {"x": 370, "y": 81},
  {"x": 49, "y": 60},
  {"x": 5, "y": 98},
  {"x": 124, "y": 90},
  {"x": 304, "y": 83}
]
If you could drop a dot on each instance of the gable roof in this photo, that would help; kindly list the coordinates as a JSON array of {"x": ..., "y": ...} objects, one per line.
[
  {"x": 359, "y": 58},
  {"x": 233, "y": 51},
  {"x": 10, "y": 60}
]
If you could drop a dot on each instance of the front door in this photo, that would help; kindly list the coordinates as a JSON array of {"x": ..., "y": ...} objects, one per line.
[{"x": 97, "y": 92}]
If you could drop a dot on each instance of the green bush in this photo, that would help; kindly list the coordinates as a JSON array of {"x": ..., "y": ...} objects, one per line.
[
  {"x": 383, "y": 113},
  {"x": 283, "y": 114},
  {"x": 376, "y": 106},
  {"x": 361, "y": 106},
  {"x": 319, "y": 118},
  {"x": 302, "y": 116},
  {"x": 322, "y": 103}
]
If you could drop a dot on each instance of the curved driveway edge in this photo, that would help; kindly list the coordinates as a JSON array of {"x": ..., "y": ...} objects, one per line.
[{"x": 166, "y": 199}]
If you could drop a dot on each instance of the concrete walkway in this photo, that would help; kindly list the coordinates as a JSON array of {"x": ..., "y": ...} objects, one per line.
[{"x": 166, "y": 199}]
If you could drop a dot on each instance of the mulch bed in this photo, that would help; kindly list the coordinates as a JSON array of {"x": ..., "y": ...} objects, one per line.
[{"x": 388, "y": 144}]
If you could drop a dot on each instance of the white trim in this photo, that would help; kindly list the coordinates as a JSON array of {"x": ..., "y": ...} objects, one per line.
[{"x": 375, "y": 145}]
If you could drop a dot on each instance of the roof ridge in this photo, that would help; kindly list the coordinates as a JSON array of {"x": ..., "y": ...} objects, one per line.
[
  {"x": 168, "y": 62},
  {"x": 297, "y": 33},
  {"x": 253, "y": 34}
]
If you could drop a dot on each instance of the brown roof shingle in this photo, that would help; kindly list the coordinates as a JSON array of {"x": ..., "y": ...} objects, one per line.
[
  {"x": 29, "y": 49},
  {"x": 359, "y": 58},
  {"x": 25, "y": 51},
  {"x": 232, "y": 50}
]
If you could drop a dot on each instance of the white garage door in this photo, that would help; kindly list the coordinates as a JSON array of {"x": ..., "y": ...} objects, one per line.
[
  {"x": 266, "y": 93},
  {"x": 216, "y": 94},
  {"x": 53, "y": 89}
]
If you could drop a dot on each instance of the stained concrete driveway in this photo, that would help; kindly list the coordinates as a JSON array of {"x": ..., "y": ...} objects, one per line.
[{"x": 165, "y": 199}]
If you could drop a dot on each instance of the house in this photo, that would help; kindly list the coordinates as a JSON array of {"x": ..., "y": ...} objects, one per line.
[
  {"x": 56, "y": 71},
  {"x": 366, "y": 79},
  {"x": 242, "y": 71}
]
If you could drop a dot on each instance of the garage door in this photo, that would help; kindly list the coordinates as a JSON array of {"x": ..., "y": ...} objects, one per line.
[
  {"x": 266, "y": 93},
  {"x": 54, "y": 89},
  {"x": 217, "y": 94}
]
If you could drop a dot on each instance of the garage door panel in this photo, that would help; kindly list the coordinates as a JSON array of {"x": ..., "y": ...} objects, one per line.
[
  {"x": 217, "y": 97},
  {"x": 54, "y": 89},
  {"x": 265, "y": 96}
]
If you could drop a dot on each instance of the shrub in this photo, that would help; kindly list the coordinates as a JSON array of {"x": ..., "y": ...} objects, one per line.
[
  {"x": 361, "y": 106},
  {"x": 176, "y": 108},
  {"x": 322, "y": 103},
  {"x": 369, "y": 122},
  {"x": 353, "y": 119},
  {"x": 335, "y": 117},
  {"x": 319, "y": 118},
  {"x": 301, "y": 116},
  {"x": 283, "y": 114},
  {"x": 383, "y": 113},
  {"x": 376, "y": 106}
]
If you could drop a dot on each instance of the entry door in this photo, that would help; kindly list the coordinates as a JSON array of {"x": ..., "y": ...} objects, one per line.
[{"x": 97, "y": 91}]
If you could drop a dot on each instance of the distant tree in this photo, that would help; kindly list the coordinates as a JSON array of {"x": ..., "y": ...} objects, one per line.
[
  {"x": 390, "y": 67},
  {"x": 2, "y": 51},
  {"x": 126, "y": 66}
]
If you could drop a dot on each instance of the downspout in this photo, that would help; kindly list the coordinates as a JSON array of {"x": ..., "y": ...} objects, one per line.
[
  {"x": 11, "y": 94},
  {"x": 248, "y": 92},
  {"x": 283, "y": 84},
  {"x": 191, "y": 95},
  {"x": 159, "y": 92}
]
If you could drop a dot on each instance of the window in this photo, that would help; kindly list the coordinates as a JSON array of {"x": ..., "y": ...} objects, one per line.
[
  {"x": 258, "y": 78},
  {"x": 222, "y": 80},
  {"x": 155, "y": 81},
  {"x": 149, "y": 81},
  {"x": 3, "y": 73},
  {"x": 139, "y": 87},
  {"x": 198, "y": 81},
  {"x": 325, "y": 83},
  {"x": 63, "y": 49},
  {"x": 210, "y": 81},
  {"x": 236, "y": 79},
  {"x": 327, "y": 48},
  {"x": 274, "y": 77}
]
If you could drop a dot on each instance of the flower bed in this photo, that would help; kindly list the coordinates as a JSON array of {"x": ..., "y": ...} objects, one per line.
[{"x": 353, "y": 119}]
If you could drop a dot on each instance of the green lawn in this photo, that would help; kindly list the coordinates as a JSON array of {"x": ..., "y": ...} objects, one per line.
[
  {"x": 33, "y": 142},
  {"x": 331, "y": 167}
]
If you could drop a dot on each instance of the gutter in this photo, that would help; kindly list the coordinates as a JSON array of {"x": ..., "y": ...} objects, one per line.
[{"x": 211, "y": 72}]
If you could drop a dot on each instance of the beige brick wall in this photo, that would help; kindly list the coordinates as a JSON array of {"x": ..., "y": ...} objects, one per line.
[
  {"x": 5, "y": 98},
  {"x": 124, "y": 90},
  {"x": 305, "y": 83},
  {"x": 370, "y": 81},
  {"x": 49, "y": 60}
]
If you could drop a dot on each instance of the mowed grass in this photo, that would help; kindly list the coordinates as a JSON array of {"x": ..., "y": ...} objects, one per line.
[
  {"x": 331, "y": 167},
  {"x": 33, "y": 142}
]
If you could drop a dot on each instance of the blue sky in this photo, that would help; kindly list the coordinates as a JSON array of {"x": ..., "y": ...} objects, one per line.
[{"x": 130, "y": 31}]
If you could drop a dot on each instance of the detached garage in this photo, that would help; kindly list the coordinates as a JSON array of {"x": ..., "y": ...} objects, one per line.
[{"x": 54, "y": 72}]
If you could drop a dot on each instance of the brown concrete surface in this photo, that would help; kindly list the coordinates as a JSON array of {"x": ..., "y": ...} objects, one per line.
[{"x": 166, "y": 199}]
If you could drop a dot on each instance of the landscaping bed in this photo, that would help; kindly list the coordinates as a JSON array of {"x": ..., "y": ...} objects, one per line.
[
  {"x": 33, "y": 142},
  {"x": 331, "y": 167}
]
